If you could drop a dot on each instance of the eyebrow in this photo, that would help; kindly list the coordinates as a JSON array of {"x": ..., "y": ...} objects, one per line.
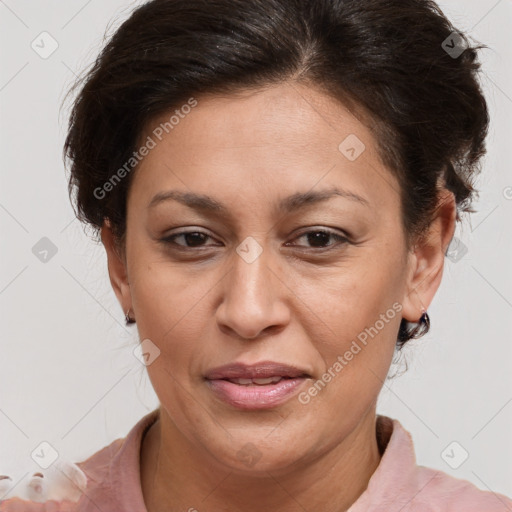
[{"x": 291, "y": 203}]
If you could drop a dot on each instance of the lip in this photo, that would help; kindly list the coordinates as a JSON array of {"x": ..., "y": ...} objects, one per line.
[
  {"x": 260, "y": 370},
  {"x": 255, "y": 396}
]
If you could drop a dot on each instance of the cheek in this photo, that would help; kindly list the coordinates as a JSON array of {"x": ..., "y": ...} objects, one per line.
[
  {"x": 355, "y": 340},
  {"x": 172, "y": 310},
  {"x": 357, "y": 314},
  {"x": 163, "y": 291},
  {"x": 353, "y": 295}
]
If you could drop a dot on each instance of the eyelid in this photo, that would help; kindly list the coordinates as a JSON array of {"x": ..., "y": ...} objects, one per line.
[
  {"x": 169, "y": 239},
  {"x": 316, "y": 229},
  {"x": 341, "y": 239}
]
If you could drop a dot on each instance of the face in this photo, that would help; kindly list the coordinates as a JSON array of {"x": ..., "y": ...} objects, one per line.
[{"x": 254, "y": 259}]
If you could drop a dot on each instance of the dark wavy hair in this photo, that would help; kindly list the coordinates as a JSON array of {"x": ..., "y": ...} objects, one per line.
[{"x": 388, "y": 60}]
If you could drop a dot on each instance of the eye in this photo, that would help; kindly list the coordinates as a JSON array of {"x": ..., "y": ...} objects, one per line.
[
  {"x": 191, "y": 238},
  {"x": 319, "y": 238}
]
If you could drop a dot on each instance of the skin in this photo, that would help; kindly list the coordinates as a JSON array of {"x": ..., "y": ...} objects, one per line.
[{"x": 300, "y": 302}]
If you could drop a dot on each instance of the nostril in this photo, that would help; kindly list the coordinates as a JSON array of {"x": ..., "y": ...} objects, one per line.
[
  {"x": 40, "y": 475},
  {"x": 5, "y": 477}
]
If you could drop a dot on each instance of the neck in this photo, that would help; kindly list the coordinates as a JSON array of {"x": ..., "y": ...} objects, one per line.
[{"x": 176, "y": 476}]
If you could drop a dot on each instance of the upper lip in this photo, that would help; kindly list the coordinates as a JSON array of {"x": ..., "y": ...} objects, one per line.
[{"x": 263, "y": 369}]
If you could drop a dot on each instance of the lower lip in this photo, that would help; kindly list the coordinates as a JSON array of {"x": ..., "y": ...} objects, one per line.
[{"x": 255, "y": 396}]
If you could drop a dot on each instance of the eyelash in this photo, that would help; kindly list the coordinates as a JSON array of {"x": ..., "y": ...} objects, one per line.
[{"x": 341, "y": 240}]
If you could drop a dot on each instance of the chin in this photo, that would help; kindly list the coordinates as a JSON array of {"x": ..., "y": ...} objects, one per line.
[{"x": 255, "y": 454}]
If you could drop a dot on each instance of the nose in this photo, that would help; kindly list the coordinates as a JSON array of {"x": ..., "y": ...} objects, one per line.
[{"x": 254, "y": 298}]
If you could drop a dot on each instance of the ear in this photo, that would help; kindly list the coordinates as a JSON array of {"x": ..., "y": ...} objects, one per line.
[
  {"x": 116, "y": 267},
  {"x": 427, "y": 258}
]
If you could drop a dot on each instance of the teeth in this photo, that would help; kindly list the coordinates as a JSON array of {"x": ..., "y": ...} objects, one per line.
[
  {"x": 243, "y": 382},
  {"x": 260, "y": 382},
  {"x": 268, "y": 380}
]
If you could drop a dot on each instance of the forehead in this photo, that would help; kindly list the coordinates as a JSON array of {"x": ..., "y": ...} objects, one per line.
[{"x": 262, "y": 143}]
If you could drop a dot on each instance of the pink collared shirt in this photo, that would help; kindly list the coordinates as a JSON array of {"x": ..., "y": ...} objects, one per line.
[{"x": 397, "y": 485}]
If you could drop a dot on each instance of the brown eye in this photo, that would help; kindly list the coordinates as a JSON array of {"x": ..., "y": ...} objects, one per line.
[
  {"x": 319, "y": 239},
  {"x": 191, "y": 238}
]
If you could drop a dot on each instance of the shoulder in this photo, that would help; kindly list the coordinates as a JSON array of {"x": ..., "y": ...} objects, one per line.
[
  {"x": 399, "y": 483},
  {"x": 433, "y": 490},
  {"x": 442, "y": 492},
  {"x": 55, "y": 488},
  {"x": 63, "y": 486},
  {"x": 21, "y": 505},
  {"x": 84, "y": 486}
]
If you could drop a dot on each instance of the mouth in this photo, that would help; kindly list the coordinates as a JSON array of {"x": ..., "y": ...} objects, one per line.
[
  {"x": 258, "y": 371},
  {"x": 260, "y": 386},
  {"x": 258, "y": 382}
]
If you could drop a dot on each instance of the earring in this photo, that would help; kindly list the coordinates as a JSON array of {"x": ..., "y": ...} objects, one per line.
[
  {"x": 422, "y": 326},
  {"x": 128, "y": 319}
]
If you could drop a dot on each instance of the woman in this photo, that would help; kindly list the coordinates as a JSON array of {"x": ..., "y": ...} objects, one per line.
[{"x": 275, "y": 183}]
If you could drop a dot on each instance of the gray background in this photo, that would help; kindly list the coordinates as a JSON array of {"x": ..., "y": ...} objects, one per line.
[{"x": 67, "y": 372}]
